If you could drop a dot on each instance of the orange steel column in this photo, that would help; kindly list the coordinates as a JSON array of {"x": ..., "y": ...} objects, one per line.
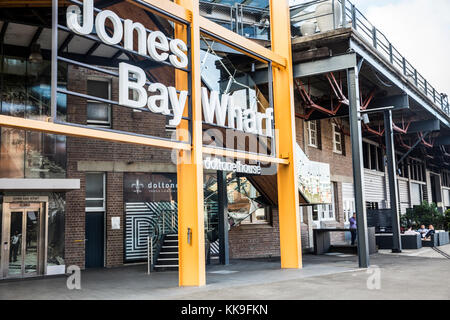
[
  {"x": 288, "y": 203},
  {"x": 191, "y": 239}
]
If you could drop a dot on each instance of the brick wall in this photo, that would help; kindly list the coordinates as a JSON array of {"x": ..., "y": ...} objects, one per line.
[
  {"x": 245, "y": 241},
  {"x": 253, "y": 241},
  {"x": 75, "y": 222},
  {"x": 340, "y": 164},
  {"x": 79, "y": 149},
  {"x": 114, "y": 208}
]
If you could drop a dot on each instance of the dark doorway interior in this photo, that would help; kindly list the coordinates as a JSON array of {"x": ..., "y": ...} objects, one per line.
[{"x": 94, "y": 240}]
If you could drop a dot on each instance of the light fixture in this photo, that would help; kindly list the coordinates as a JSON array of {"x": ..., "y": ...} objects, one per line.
[
  {"x": 365, "y": 118},
  {"x": 35, "y": 55}
]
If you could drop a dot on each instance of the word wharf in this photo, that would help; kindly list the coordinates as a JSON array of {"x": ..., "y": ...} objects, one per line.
[{"x": 225, "y": 110}]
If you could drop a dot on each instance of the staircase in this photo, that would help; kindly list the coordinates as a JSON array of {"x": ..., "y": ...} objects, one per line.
[{"x": 167, "y": 260}]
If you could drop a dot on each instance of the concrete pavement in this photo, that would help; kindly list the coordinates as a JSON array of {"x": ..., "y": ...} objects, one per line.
[{"x": 405, "y": 276}]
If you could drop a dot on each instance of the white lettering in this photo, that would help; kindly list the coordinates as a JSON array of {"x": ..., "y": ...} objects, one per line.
[
  {"x": 162, "y": 97},
  {"x": 217, "y": 164},
  {"x": 178, "y": 105},
  {"x": 125, "y": 85},
  {"x": 158, "y": 41},
  {"x": 179, "y": 58},
  {"x": 100, "y": 27},
  {"x": 74, "y": 18},
  {"x": 156, "y": 44},
  {"x": 214, "y": 105},
  {"x": 130, "y": 26},
  {"x": 250, "y": 121}
]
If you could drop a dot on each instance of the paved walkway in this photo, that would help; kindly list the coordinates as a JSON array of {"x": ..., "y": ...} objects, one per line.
[{"x": 324, "y": 277}]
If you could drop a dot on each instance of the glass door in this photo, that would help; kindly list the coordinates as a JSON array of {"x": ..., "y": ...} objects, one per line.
[
  {"x": 22, "y": 240},
  {"x": 15, "y": 244}
]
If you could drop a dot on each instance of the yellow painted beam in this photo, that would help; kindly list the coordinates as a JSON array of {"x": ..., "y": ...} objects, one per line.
[
  {"x": 238, "y": 42},
  {"x": 243, "y": 155},
  {"x": 191, "y": 228},
  {"x": 284, "y": 112},
  {"x": 168, "y": 7},
  {"x": 30, "y": 3},
  {"x": 73, "y": 131}
]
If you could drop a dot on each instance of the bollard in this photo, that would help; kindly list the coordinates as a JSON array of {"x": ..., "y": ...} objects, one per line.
[
  {"x": 164, "y": 222},
  {"x": 148, "y": 256}
]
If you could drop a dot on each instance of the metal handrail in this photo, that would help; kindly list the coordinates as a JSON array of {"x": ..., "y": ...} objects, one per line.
[{"x": 354, "y": 18}]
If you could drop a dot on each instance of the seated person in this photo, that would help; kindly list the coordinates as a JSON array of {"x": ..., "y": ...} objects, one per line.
[
  {"x": 410, "y": 231},
  {"x": 429, "y": 233},
  {"x": 423, "y": 231}
]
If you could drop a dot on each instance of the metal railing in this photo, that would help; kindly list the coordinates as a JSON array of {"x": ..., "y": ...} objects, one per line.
[
  {"x": 325, "y": 15},
  {"x": 169, "y": 221}
]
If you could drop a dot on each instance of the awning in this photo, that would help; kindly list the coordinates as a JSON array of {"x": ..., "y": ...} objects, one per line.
[{"x": 39, "y": 184}]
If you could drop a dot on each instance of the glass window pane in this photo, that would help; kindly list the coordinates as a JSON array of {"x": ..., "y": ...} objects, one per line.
[
  {"x": 245, "y": 203},
  {"x": 380, "y": 160},
  {"x": 315, "y": 213},
  {"x": 12, "y": 153},
  {"x": 94, "y": 185},
  {"x": 373, "y": 157},
  {"x": 94, "y": 203},
  {"x": 98, "y": 89},
  {"x": 15, "y": 249},
  {"x": 98, "y": 112},
  {"x": 56, "y": 227},
  {"x": 31, "y": 247},
  {"x": 366, "y": 155}
]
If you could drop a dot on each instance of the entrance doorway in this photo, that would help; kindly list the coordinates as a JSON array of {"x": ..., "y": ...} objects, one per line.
[
  {"x": 23, "y": 240},
  {"x": 94, "y": 240}
]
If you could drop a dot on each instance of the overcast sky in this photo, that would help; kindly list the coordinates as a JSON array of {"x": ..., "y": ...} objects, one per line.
[{"x": 419, "y": 29}]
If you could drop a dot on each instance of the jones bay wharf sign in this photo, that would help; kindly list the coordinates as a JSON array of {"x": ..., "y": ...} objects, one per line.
[{"x": 222, "y": 110}]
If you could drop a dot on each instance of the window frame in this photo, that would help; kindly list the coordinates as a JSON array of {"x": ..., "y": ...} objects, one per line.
[
  {"x": 96, "y": 123},
  {"x": 96, "y": 209},
  {"x": 335, "y": 142},
  {"x": 324, "y": 210},
  {"x": 310, "y": 131}
]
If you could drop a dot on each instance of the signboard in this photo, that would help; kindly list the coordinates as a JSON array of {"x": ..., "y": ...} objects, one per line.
[
  {"x": 223, "y": 110},
  {"x": 27, "y": 199},
  {"x": 220, "y": 165},
  {"x": 150, "y": 187},
  {"x": 115, "y": 223},
  {"x": 313, "y": 179}
]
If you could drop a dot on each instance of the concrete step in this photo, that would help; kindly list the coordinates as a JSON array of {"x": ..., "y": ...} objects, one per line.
[
  {"x": 161, "y": 268},
  {"x": 167, "y": 255}
]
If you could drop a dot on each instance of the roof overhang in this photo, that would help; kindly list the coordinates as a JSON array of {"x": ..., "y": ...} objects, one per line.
[{"x": 39, "y": 184}]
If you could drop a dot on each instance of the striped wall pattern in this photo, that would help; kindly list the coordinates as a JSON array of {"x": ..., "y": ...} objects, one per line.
[{"x": 145, "y": 219}]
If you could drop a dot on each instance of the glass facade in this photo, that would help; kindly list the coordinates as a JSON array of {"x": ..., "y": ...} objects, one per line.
[
  {"x": 245, "y": 204},
  {"x": 25, "y": 93},
  {"x": 250, "y": 19},
  {"x": 56, "y": 229},
  {"x": 211, "y": 204}
]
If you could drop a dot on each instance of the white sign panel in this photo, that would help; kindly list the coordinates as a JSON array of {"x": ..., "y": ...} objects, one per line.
[
  {"x": 115, "y": 223},
  {"x": 313, "y": 179}
]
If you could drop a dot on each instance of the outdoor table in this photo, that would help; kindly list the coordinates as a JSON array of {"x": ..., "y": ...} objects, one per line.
[{"x": 322, "y": 240}]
